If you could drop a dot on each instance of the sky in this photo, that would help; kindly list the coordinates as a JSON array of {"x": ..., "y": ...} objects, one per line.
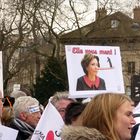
[{"x": 125, "y": 6}]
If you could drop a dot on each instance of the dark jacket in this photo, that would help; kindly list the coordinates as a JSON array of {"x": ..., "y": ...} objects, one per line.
[
  {"x": 81, "y": 133},
  {"x": 81, "y": 85},
  {"x": 25, "y": 130}
]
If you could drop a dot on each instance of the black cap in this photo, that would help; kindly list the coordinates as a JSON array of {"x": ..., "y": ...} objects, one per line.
[{"x": 9, "y": 101}]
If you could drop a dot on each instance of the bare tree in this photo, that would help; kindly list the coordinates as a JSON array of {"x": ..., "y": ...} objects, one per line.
[{"x": 27, "y": 26}]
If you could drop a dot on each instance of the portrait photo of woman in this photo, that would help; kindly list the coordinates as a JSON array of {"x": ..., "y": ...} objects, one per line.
[{"x": 90, "y": 81}]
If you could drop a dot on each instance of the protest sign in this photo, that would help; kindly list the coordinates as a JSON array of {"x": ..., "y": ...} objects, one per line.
[
  {"x": 108, "y": 77},
  {"x": 49, "y": 125},
  {"x": 7, "y": 133}
]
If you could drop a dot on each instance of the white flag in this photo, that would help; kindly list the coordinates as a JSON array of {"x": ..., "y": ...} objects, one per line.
[{"x": 49, "y": 125}]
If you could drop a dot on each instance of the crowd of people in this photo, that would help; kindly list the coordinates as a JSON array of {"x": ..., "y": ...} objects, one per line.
[{"x": 107, "y": 116}]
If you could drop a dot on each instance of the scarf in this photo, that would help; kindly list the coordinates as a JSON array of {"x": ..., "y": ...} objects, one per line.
[{"x": 23, "y": 127}]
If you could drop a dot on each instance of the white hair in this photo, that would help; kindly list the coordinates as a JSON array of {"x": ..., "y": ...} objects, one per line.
[
  {"x": 23, "y": 103},
  {"x": 60, "y": 96},
  {"x": 17, "y": 93}
]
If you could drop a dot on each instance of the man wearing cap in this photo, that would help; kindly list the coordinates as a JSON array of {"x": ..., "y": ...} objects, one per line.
[{"x": 26, "y": 116}]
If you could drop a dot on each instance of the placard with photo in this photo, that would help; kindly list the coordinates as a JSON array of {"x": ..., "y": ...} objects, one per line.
[{"x": 93, "y": 70}]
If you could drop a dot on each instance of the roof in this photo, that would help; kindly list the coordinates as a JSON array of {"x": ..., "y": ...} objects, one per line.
[{"x": 102, "y": 28}]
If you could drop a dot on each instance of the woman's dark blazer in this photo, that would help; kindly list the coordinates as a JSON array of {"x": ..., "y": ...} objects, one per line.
[{"x": 81, "y": 85}]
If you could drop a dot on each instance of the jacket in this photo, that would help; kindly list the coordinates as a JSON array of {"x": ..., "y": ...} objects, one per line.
[
  {"x": 136, "y": 127},
  {"x": 82, "y": 85},
  {"x": 25, "y": 131},
  {"x": 81, "y": 133}
]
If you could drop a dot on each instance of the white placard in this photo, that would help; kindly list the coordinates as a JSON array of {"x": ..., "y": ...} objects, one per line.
[
  {"x": 110, "y": 68},
  {"x": 7, "y": 133},
  {"x": 16, "y": 87}
]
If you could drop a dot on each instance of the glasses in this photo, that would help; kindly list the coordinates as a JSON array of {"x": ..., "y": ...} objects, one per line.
[{"x": 62, "y": 110}]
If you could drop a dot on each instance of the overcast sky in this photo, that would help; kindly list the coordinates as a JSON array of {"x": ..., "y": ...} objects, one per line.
[{"x": 125, "y": 6}]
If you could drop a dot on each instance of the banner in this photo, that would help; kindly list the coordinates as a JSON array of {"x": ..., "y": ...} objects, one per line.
[
  {"x": 89, "y": 77},
  {"x": 49, "y": 125}
]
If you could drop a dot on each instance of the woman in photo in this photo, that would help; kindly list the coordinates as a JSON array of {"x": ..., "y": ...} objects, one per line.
[{"x": 90, "y": 81}]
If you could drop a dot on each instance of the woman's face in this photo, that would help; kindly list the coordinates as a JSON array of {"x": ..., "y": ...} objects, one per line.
[
  {"x": 124, "y": 121},
  {"x": 92, "y": 68}
]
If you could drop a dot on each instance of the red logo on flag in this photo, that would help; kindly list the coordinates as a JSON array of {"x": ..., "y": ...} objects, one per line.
[{"x": 50, "y": 135}]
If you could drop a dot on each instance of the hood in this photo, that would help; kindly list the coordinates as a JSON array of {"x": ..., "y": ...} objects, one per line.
[{"x": 80, "y": 133}]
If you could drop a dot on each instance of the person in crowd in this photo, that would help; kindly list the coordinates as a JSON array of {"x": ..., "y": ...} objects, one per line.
[
  {"x": 73, "y": 110},
  {"x": 81, "y": 133},
  {"x": 136, "y": 112},
  {"x": 111, "y": 114},
  {"x": 1, "y": 105},
  {"x": 90, "y": 81},
  {"x": 136, "y": 127},
  {"x": 26, "y": 116},
  {"x": 17, "y": 93},
  {"x": 7, "y": 113},
  {"x": 60, "y": 100}
]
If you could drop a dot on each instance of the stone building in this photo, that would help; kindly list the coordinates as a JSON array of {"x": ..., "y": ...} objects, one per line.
[{"x": 116, "y": 29}]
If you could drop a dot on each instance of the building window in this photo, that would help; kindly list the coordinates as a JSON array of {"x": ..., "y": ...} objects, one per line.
[
  {"x": 131, "y": 67},
  {"x": 114, "y": 23}
]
